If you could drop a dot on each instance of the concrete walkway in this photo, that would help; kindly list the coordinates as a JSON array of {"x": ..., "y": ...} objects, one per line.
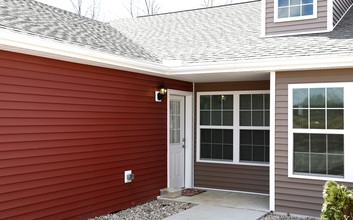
[
  {"x": 221, "y": 205},
  {"x": 206, "y": 212}
]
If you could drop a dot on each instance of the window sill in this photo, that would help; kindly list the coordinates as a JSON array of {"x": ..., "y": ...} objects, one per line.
[
  {"x": 299, "y": 18},
  {"x": 318, "y": 177},
  {"x": 233, "y": 163}
]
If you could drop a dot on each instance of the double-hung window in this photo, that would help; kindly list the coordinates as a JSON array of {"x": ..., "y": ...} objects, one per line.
[
  {"x": 233, "y": 127},
  {"x": 288, "y": 10},
  {"x": 319, "y": 119}
]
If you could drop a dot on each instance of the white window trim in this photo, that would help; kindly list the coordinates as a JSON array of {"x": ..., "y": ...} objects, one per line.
[
  {"x": 347, "y": 132},
  {"x": 298, "y": 18},
  {"x": 235, "y": 128}
]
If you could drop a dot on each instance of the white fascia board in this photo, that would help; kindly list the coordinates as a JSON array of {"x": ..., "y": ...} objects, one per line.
[
  {"x": 268, "y": 65},
  {"x": 49, "y": 48},
  {"x": 33, "y": 45}
]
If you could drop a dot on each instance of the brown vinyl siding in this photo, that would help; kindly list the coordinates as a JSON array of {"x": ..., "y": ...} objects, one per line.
[
  {"x": 228, "y": 176},
  {"x": 294, "y": 195},
  {"x": 340, "y": 7},
  {"x": 318, "y": 24}
]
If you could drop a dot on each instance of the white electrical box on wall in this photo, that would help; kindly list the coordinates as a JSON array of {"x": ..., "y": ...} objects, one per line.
[{"x": 129, "y": 176}]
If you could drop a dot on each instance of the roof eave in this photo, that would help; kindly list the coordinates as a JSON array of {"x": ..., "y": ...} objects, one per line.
[{"x": 34, "y": 45}]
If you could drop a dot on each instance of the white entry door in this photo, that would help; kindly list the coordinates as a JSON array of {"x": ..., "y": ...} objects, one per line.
[{"x": 176, "y": 142}]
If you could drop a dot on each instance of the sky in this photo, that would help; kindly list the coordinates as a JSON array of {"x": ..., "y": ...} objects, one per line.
[{"x": 115, "y": 9}]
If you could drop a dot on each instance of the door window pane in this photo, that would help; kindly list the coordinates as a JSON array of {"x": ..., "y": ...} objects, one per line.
[{"x": 175, "y": 118}]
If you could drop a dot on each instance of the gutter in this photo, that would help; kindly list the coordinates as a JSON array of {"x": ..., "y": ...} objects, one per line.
[{"x": 37, "y": 46}]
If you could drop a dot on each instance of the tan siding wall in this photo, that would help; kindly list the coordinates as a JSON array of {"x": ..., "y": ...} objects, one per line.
[
  {"x": 292, "y": 27},
  {"x": 298, "y": 195},
  {"x": 339, "y": 9},
  {"x": 226, "y": 176}
]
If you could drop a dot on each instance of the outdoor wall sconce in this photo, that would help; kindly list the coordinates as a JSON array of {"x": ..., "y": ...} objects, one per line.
[{"x": 162, "y": 91}]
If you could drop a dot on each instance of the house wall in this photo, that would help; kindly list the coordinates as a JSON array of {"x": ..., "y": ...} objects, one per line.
[
  {"x": 295, "y": 195},
  {"x": 293, "y": 27},
  {"x": 340, "y": 7},
  {"x": 227, "y": 176},
  {"x": 68, "y": 133}
]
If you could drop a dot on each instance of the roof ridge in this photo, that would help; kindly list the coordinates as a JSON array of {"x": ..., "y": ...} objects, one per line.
[
  {"x": 66, "y": 11},
  {"x": 199, "y": 9}
]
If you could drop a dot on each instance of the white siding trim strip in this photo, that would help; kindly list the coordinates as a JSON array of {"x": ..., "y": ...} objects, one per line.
[
  {"x": 272, "y": 139},
  {"x": 263, "y": 18},
  {"x": 329, "y": 15}
]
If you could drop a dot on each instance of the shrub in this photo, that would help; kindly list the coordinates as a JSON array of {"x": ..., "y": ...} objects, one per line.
[{"x": 338, "y": 203}]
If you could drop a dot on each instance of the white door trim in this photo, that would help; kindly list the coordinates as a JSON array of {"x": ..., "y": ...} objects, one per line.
[{"x": 189, "y": 137}]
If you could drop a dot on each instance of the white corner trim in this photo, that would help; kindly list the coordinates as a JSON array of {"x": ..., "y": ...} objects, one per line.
[
  {"x": 329, "y": 15},
  {"x": 263, "y": 18},
  {"x": 272, "y": 140}
]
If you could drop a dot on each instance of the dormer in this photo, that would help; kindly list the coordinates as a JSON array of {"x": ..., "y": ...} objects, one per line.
[{"x": 292, "y": 17}]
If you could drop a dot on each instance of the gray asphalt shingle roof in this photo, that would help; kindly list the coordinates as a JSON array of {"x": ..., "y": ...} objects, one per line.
[
  {"x": 220, "y": 34},
  {"x": 34, "y": 18},
  {"x": 227, "y": 34}
]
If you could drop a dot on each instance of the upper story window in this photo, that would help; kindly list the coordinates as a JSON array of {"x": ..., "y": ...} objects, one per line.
[{"x": 289, "y": 10}]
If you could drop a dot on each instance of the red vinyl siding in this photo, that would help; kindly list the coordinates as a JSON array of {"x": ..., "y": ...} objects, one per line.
[{"x": 68, "y": 133}]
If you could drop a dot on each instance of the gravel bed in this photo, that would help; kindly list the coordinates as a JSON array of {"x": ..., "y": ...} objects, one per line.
[
  {"x": 155, "y": 210},
  {"x": 272, "y": 216}
]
